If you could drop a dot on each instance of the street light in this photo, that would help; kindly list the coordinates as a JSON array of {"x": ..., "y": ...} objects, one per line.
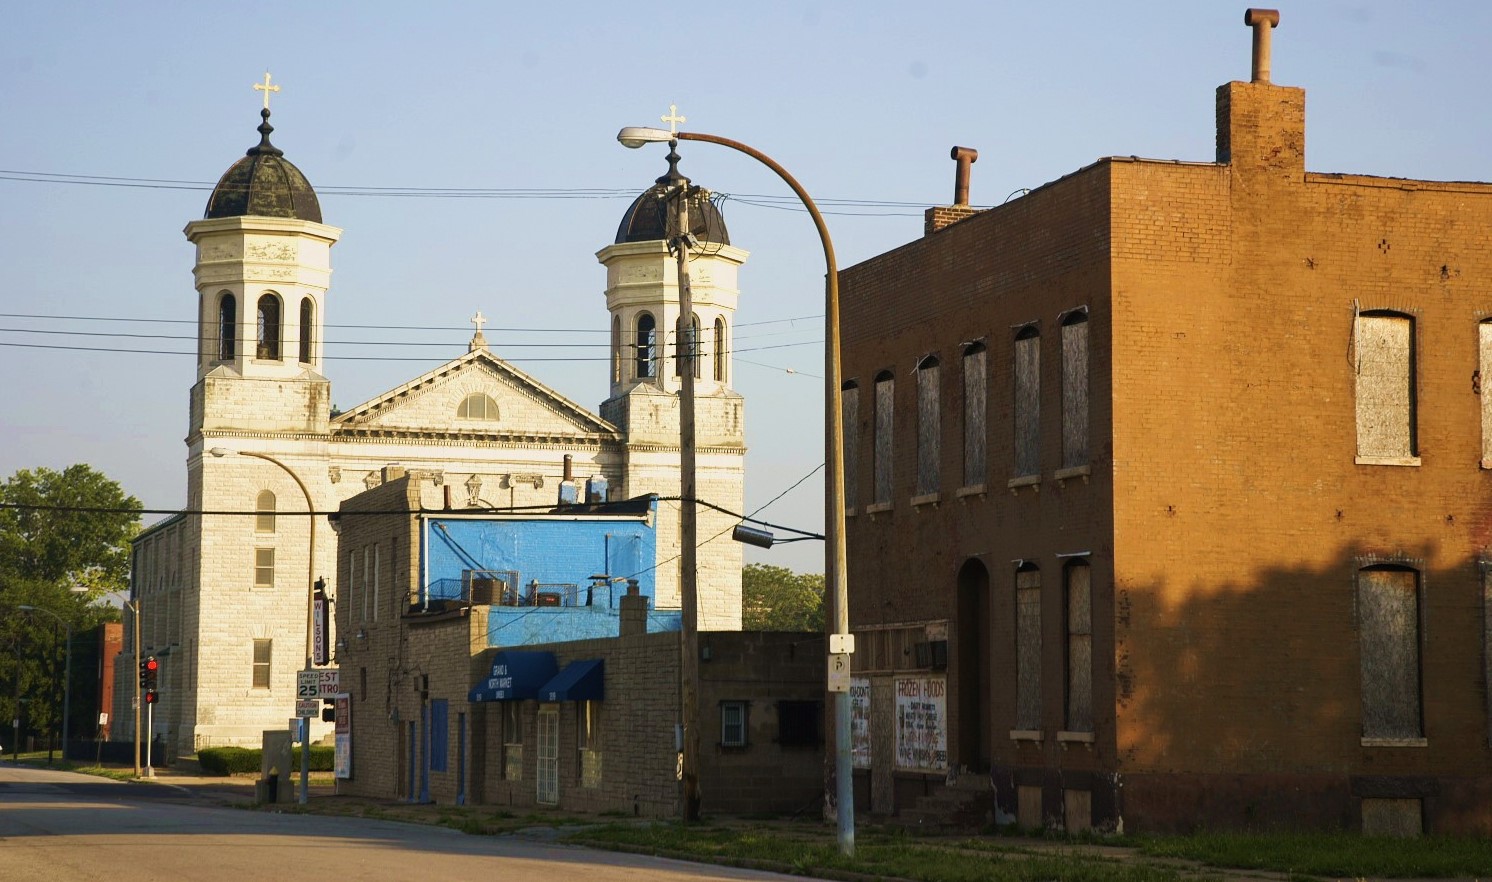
[
  {"x": 305, "y": 743},
  {"x": 67, "y": 676},
  {"x": 834, "y": 551}
]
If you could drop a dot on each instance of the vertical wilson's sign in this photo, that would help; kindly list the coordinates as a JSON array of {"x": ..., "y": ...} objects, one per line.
[
  {"x": 318, "y": 639},
  {"x": 921, "y": 724}
]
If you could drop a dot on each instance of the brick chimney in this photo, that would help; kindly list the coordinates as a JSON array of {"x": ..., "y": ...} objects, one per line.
[
  {"x": 1261, "y": 126},
  {"x": 941, "y": 216},
  {"x": 634, "y": 612}
]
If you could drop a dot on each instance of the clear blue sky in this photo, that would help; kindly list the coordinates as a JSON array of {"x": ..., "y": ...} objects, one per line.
[{"x": 860, "y": 100}]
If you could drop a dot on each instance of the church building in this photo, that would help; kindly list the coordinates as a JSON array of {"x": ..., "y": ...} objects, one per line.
[{"x": 222, "y": 590}]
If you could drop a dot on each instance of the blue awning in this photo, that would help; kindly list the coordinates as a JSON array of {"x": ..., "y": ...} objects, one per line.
[
  {"x": 579, "y": 681},
  {"x": 514, "y": 676}
]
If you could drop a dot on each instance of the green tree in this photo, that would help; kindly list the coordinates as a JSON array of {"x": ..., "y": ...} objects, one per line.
[
  {"x": 58, "y": 531},
  {"x": 778, "y": 599}
]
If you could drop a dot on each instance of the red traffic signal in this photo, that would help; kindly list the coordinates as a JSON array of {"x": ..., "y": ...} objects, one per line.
[
  {"x": 151, "y": 696},
  {"x": 149, "y": 669}
]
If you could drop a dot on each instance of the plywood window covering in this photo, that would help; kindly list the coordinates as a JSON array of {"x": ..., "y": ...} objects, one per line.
[
  {"x": 1389, "y": 647},
  {"x": 1027, "y": 423},
  {"x": 227, "y": 327},
  {"x": 646, "y": 346},
  {"x": 588, "y": 739},
  {"x": 885, "y": 397},
  {"x": 1384, "y": 358},
  {"x": 264, "y": 507},
  {"x": 269, "y": 328},
  {"x": 1487, "y": 640},
  {"x": 307, "y": 317},
  {"x": 1079, "y": 615},
  {"x": 1075, "y": 389},
  {"x": 262, "y": 655},
  {"x": 928, "y": 426},
  {"x": 849, "y": 406},
  {"x": 512, "y": 735},
  {"x": 1484, "y": 376},
  {"x": 264, "y": 568},
  {"x": 974, "y": 410},
  {"x": 1028, "y": 648}
]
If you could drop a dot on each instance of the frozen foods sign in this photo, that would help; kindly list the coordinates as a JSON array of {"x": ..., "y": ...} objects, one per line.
[{"x": 921, "y": 724}]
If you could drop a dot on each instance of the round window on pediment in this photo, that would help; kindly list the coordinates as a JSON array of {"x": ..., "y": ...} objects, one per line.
[{"x": 477, "y": 406}]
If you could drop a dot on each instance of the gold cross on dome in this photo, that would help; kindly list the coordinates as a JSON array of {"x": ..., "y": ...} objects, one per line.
[
  {"x": 266, "y": 88},
  {"x": 673, "y": 119},
  {"x": 478, "y": 320}
]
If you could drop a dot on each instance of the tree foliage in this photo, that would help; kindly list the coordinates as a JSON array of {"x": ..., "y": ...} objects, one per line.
[
  {"x": 58, "y": 531},
  {"x": 778, "y": 599}
]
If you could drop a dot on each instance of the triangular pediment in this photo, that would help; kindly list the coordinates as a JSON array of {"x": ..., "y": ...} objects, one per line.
[{"x": 500, "y": 401}]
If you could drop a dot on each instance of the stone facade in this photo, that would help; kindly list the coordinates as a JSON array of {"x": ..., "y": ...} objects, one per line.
[
  {"x": 230, "y": 577},
  {"x": 1187, "y": 583}
]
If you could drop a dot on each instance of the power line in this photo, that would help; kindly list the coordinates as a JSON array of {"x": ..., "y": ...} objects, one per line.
[
  {"x": 390, "y": 358},
  {"x": 174, "y": 321}
]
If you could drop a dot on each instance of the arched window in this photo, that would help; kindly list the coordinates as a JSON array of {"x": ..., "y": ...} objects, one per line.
[
  {"x": 616, "y": 349},
  {"x": 720, "y": 350},
  {"x": 307, "y": 316},
  {"x": 227, "y": 326},
  {"x": 928, "y": 426},
  {"x": 269, "y": 328},
  {"x": 264, "y": 506},
  {"x": 686, "y": 346},
  {"x": 647, "y": 343},
  {"x": 477, "y": 406}
]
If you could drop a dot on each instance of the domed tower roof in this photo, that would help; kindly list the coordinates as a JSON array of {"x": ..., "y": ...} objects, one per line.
[
  {"x": 646, "y": 219},
  {"x": 265, "y": 184}
]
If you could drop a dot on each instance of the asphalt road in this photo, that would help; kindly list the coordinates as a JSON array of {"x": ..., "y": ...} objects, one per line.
[{"x": 65, "y": 827}]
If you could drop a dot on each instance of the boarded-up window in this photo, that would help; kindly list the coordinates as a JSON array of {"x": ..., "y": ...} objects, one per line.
[
  {"x": 974, "y": 406},
  {"x": 928, "y": 428},
  {"x": 262, "y": 650},
  {"x": 884, "y": 400},
  {"x": 1384, "y": 348},
  {"x": 1075, "y": 389},
  {"x": 1484, "y": 375},
  {"x": 1028, "y": 648},
  {"x": 512, "y": 714},
  {"x": 1027, "y": 368},
  {"x": 849, "y": 406},
  {"x": 1487, "y": 640},
  {"x": 1079, "y": 615},
  {"x": 1388, "y": 635}
]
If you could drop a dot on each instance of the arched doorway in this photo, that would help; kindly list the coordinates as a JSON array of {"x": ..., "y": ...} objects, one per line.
[{"x": 973, "y": 660}]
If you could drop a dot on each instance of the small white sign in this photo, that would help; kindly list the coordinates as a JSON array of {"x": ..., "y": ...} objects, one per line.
[
  {"x": 839, "y": 672},
  {"x": 842, "y": 644},
  {"x": 103, "y": 718},
  {"x": 308, "y": 707}
]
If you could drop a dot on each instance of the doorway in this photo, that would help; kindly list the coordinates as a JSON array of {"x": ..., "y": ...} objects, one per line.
[
  {"x": 548, "y": 775},
  {"x": 973, "y": 671}
]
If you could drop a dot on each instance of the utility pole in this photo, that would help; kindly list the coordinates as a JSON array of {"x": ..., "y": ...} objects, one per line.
[{"x": 688, "y": 522}]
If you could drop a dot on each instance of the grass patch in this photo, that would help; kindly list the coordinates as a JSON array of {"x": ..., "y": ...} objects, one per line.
[
  {"x": 1329, "y": 854},
  {"x": 909, "y": 859}
]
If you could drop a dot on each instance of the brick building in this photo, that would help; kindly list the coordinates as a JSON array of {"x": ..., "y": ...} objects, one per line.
[
  {"x": 483, "y": 697},
  {"x": 1169, "y": 495}
]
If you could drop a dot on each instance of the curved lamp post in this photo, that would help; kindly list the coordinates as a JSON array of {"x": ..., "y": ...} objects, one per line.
[
  {"x": 67, "y": 676},
  {"x": 834, "y": 551},
  {"x": 305, "y": 745}
]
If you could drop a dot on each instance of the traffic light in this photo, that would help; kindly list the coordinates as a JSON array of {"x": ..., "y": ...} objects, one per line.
[
  {"x": 150, "y": 668},
  {"x": 151, "y": 696}
]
